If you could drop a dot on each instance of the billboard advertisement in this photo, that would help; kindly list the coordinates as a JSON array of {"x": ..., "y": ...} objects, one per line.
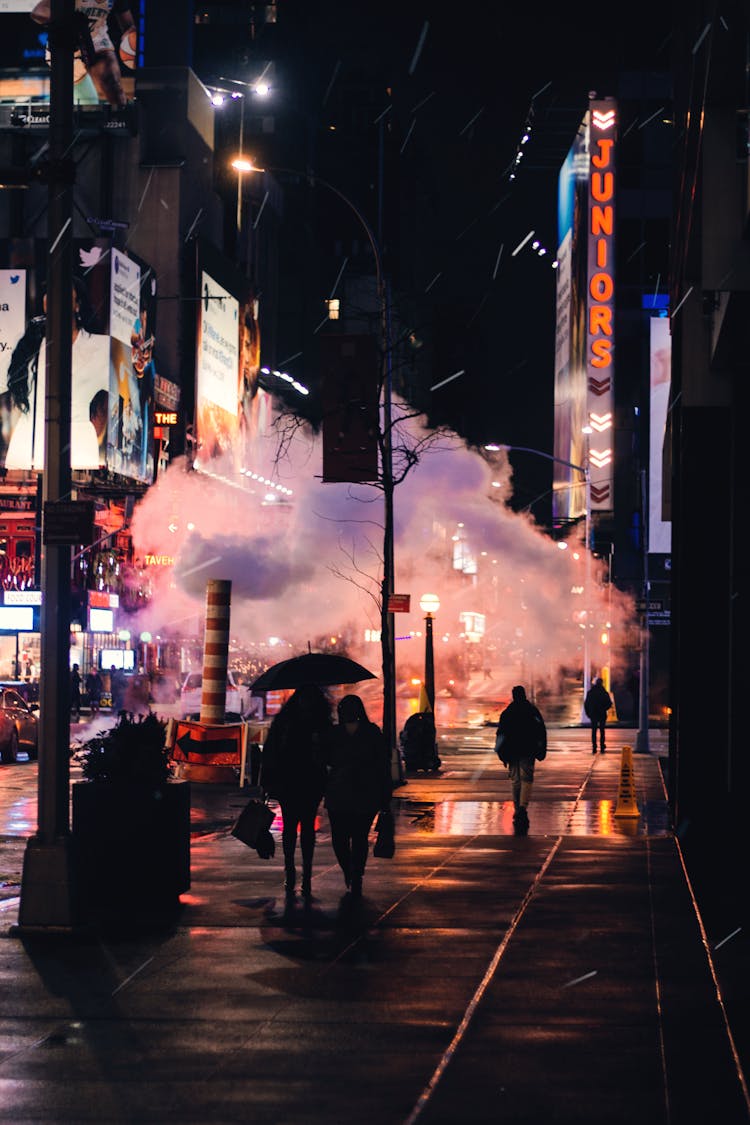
[
  {"x": 109, "y": 33},
  {"x": 659, "y": 529},
  {"x": 568, "y": 497},
  {"x": 112, "y": 357},
  {"x": 233, "y": 413}
]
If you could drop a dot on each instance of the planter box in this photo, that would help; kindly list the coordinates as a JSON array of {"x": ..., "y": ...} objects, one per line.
[{"x": 131, "y": 844}]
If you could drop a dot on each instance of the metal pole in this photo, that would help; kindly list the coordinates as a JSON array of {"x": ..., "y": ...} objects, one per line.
[
  {"x": 587, "y": 534},
  {"x": 47, "y": 900},
  {"x": 642, "y": 741},
  {"x": 429, "y": 662}
]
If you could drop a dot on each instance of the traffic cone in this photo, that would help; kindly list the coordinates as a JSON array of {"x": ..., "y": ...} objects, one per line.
[
  {"x": 424, "y": 703},
  {"x": 626, "y": 802}
]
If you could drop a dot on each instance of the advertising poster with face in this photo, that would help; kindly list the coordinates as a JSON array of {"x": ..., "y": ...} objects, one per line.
[
  {"x": 112, "y": 366},
  {"x": 23, "y": 389},
  {"x": 232, "y": 411},
  {"x": 132, "y": 371}
]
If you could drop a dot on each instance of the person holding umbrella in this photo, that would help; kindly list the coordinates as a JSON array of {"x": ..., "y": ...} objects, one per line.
[
  {"x": 293, "y": 772},
  {"x": 358, "y": 786}
]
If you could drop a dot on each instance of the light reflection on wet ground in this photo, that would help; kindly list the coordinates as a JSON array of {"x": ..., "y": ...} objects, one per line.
[{"x": 495, "y": 818}]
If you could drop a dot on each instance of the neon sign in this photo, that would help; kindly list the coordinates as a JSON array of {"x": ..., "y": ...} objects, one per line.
[{"x": 600, "y": 305}]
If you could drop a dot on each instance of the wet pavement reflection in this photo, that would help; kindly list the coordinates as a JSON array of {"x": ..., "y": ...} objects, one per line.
[{"x": 495, "y": 818}]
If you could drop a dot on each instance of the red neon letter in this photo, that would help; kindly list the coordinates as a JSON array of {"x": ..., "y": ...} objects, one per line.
[
  {"x": 602, "y": 220},
  {"x": 600, "y": 320},
  {"x": 601, "y": 287},
  {"x": 602, "y": 186},
  {"x": 601, "y": 350},
  {"x": 602, "y": 159}
]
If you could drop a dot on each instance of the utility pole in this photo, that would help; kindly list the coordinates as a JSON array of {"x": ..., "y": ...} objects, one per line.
[
  {"x": 642, "y": 745},
  {"x": 47, "y": 892}
]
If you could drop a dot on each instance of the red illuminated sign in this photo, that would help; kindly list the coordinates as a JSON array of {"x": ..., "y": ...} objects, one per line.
[{"x": 600, "y": 305}]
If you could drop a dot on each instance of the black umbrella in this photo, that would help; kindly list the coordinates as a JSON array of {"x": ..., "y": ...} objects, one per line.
[{"x": 322, "y": 668}]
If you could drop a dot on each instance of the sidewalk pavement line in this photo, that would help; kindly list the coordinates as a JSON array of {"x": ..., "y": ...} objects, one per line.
[
  {"x": 704, "y": 938},
  {"x": 491, "y": 969}
]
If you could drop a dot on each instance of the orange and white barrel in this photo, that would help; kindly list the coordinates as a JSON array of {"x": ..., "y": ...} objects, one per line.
[{"x": 216, "y": 651}]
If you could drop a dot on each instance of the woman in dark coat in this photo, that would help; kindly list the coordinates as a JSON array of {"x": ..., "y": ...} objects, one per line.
[
  {"x": 359, "y": 785},
  {"x": 293, "y": 772}
]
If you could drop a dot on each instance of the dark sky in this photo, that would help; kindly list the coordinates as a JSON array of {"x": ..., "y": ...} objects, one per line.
[{"x": 463, "y": 83}]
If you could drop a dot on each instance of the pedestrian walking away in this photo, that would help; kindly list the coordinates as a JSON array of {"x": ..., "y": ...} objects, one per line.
[
  {"x": 94, "y": 689},
  {"x": 520, "y": 743},
  {"x": 358, "y": 787},
  {"x": 293, "y": 772},
  {"x": 117, "y": 687},
  {"x": 75, "y": 693},
  {"x": 596, "y": 705}
]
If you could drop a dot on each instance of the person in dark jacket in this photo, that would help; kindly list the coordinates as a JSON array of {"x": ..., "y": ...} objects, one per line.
[
  {"x": 293, "y": 772},
  {"x": 94, "y": 688},
  {"x": 75, "y": 693},
  {"x": 596, "y": 705},
  {"x": 358, "y": 786},
  {"x": 521, "y": 741}
]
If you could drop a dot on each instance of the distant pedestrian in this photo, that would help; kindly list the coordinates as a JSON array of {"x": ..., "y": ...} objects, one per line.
[
  {"x": 520, "y": 743},
  {"x": 293, "y": 771},
  {"x": 358, "y": 787},
  {"x": 596, "y": 705},
  {"x": 117, "y": 688},
  {"x": 75, "y": 693},
  {"x": 94, "y": 688}
]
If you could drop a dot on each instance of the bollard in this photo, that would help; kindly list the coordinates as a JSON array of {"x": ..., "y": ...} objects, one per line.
[{"x": 216, "y": 651}]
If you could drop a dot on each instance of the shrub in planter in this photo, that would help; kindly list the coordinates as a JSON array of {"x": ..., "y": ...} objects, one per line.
[{"x": 131, "y": 820}]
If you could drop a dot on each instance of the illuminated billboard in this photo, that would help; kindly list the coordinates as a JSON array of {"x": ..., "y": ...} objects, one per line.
[
  {"x": 233, "y": 413},
  {"x": 112, "y": 360},
  {"x": 659, "y": 529},
  {"x": 25, "y": 54}
]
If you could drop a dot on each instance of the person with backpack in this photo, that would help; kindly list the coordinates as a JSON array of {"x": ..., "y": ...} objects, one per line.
[
  {"x": 520, "y": 743},
  {"x": 596, "y": 705}
]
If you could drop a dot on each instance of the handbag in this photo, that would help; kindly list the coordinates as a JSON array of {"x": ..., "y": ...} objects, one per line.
[
  {"x": 385, "y": 844},
  {"x": 252, "y": 826}
]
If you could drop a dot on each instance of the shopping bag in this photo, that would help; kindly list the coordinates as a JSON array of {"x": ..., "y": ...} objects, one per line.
[
  {"x": 254, "y": 820},
  {"x": 385, "y": 844}
]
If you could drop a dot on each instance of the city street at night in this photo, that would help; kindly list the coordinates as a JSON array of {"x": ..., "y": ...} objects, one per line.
[{"x": 485, "y": 976}]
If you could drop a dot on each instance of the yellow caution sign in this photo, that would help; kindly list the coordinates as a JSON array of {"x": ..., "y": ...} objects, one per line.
[{"x": 626, "y": 802}]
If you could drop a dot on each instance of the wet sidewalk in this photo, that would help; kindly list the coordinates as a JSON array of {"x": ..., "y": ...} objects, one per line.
[{"x": 561, "y": 975}]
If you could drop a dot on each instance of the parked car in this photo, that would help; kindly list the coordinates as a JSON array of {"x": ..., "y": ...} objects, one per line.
[
  {"x": 192, "y": 689},
  {"x": 19, "y": 726}
]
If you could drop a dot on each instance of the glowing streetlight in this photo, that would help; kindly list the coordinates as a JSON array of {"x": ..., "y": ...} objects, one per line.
[{"x": 429, "y": 604}]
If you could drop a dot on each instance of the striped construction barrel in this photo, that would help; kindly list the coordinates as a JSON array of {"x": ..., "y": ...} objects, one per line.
[{"x": 216, "y": 651}]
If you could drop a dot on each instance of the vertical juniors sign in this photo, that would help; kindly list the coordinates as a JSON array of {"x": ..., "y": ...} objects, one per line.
[{"x": 600, "y": 313}]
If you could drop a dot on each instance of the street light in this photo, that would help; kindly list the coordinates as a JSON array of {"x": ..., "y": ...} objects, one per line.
[
  {"x": 584, "y": 469},
  {"x": 429, "y": 604},
  {"x": 387, "y": 624}
]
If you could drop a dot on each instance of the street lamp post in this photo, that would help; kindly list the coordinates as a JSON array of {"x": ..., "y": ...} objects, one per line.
[
  {"x": 429, "y": 604},
  {"x": 387, "y": 623},
  {"x": 47, "y": 888},
  {"x": 584, "y": 469}
]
